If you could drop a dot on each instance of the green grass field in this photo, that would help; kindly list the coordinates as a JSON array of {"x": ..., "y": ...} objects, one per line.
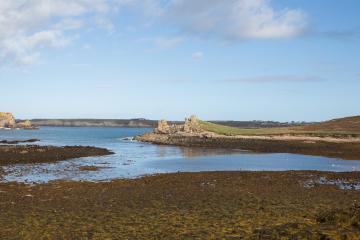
[{"x": 233, "y": 131}]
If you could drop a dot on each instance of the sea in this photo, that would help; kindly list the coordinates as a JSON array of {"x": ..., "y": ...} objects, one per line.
[{"x": 134, "y": 159}]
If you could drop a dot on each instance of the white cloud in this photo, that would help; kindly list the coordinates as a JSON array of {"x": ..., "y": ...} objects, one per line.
[
  {"x": 27, "y": 26},
  {"x": 197, "y": 55},
  {"x": 235, "y": 19},
  {"x": 277, "y": 78},
  {"x": 168, "y": 42}
]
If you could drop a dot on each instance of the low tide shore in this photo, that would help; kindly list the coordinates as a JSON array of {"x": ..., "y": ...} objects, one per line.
[
  {"x": 14, "y": 154},
  {"x": 337, "y": 148},
  {"x": 212, "y": 205}
]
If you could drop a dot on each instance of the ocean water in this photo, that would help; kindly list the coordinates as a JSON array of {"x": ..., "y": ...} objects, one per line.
[{"x": 134, "y": 159}]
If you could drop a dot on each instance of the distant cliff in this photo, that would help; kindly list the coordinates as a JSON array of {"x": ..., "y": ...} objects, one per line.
[
  {"x": 136, "y": 123},
  {"x": 141, "y": 122}
]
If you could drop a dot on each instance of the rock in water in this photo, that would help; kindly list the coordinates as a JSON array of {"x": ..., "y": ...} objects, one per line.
[{"x": 7, "y": 120}]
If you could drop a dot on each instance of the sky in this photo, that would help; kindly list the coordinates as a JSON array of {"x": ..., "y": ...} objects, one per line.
[{"x": 293, "y": 60}]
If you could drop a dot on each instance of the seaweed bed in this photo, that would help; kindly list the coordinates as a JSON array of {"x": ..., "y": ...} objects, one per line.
[
  {"x": 13, "y": 154},
  {"x": 208, "y": 205},
  {"x": 19, "y": 141}
]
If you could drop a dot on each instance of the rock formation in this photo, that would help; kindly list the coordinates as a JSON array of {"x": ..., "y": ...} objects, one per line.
[
  {"x": 163, "y": 127},
  {"x": 7, "y": 120},
  {"x": 191, "y": 125},
  {"x": 25, "y": 124}
]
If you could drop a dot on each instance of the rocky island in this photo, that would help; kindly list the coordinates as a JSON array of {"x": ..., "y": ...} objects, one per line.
[
  {"x": 338, "y": 138},
  {"x": 7, "y": 121}
]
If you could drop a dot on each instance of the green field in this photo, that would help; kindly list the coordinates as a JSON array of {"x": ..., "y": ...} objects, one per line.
[{"x": 233, "y": 131}]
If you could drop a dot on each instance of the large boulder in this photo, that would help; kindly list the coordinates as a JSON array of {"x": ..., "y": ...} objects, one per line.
[
  {"x": 163, "y": 127},
  {"x": 7, "y": 120},
  {"x": 192, "y": 125},
  {"x": 25, "y": 124}
]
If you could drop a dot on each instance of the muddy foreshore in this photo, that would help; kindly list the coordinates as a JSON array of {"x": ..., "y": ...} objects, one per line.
[
  {"x": 13, "y": 154},
  {"x": 213, "y": 205},
  {"x": 343, "y": 150}
]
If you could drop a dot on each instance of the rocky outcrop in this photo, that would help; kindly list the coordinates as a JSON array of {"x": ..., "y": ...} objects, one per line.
[
  {"x": 163, "y": 127},
  {"x": 7, "y": 120},
  {"x": 191, "y": 125},
  {"x": 25, "y": 125}
]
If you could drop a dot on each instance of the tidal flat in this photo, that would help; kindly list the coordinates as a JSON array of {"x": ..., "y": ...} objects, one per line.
[
  {"x": 207, "y": 205},
  {"x": 27, "y": 154}
]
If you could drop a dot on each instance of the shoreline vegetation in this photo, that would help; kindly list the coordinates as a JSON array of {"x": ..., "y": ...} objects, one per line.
[
  {"x": 338, "y": 138},
  {"x": 207, "y": 205}
]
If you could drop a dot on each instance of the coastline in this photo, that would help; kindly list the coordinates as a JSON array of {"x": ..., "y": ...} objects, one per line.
[{"x": 347, "y": 149}]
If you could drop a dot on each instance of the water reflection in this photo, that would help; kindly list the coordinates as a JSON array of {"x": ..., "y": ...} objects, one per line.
[{"x": 192, "y": 152}]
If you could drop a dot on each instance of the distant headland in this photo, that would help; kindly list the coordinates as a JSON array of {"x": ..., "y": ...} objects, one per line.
[
  {"x": 339, "y": 138},
  {"x": 147, "y": 123}
]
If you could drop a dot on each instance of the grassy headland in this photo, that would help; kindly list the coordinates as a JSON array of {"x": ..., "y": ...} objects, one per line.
[
  {"x": 342, "y": 141},
  {"x": 344, "y": 127}
]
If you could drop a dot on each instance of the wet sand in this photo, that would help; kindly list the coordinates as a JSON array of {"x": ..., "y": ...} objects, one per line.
[
  {"x": 216, "y": 205},
  {"x": 348, "y": 150},
  {"x": 14, "y": 154}
]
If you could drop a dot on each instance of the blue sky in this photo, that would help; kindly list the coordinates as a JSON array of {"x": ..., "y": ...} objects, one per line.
[{"x": 231, "y": 59}]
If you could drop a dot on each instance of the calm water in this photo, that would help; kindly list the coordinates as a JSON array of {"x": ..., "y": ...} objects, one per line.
[{"x": 133, "y": 159}]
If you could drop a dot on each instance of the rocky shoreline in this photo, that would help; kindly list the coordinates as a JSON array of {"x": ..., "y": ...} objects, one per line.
[
  {"x": 191, "y": 135},
  {"x": 7, "y": 121},
  {"x": 208, "y": 205},
  {"x": 14, "y": 154},
  {"x": 343, "y": 150}
]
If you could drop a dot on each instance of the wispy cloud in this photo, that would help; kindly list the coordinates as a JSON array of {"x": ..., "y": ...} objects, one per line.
[
  {"x": 338, "y": 34},
  {"x": 235, "y": 19},
  {"x": 197, "y": 56},
  {"x": 276, "y": 78},
  {"x": 168, "y": 42}
]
